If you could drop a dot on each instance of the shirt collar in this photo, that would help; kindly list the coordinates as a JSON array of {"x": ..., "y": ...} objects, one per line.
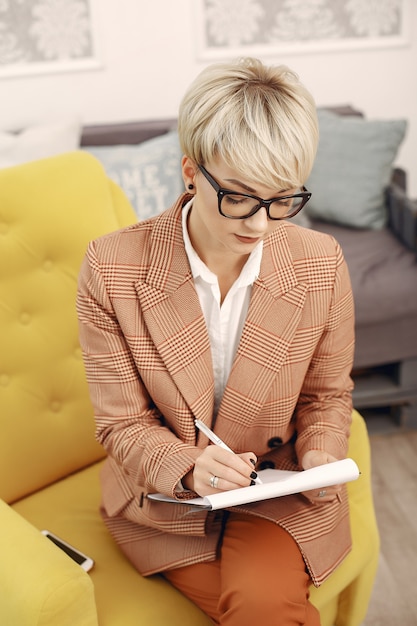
[{"x": 250, "y": 270}]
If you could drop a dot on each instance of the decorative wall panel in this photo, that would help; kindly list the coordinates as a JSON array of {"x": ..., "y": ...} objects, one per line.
[
  {"x": 46, "y": 35},
  {"x": 228, "y": 28}
]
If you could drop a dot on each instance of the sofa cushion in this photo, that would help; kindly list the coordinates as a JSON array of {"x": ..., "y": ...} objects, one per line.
[
  {"x": 384, "y": 282},
  {"x": 39, "y": 142},
  {"x": 352, "y": 169},
  {"x": 70, "y": 509},
  {"x": 52, "y": 589},
  {"x": 383, "y": 273},
  {"x": 149, "y": 172}
]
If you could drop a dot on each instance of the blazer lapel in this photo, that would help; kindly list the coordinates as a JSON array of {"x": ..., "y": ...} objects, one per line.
[
  {"x": 173, "y": 316},
  {"x": 274, "y": 314}
]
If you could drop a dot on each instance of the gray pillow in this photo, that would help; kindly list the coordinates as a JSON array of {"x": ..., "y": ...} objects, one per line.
[
  {"x": 352, "y": 169},
  {"x": 149, "y": 172}
]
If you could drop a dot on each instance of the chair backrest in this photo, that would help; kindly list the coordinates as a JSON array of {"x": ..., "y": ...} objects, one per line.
[{"x": 49, "y": 210}]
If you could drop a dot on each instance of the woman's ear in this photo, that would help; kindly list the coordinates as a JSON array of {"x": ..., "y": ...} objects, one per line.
[{"x": 189, "y": 170}]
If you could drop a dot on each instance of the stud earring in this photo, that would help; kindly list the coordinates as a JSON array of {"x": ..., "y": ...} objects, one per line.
[{"x": 190, "y": 186}]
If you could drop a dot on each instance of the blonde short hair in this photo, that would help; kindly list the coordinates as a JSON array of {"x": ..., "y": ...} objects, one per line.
[{"x": 260, "y": 120}]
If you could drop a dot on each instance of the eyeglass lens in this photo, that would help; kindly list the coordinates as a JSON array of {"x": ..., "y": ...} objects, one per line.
[{"x": 237, "y": 205}]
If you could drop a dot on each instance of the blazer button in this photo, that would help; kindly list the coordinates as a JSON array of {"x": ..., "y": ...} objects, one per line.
[
  {"x": 266, "y": 465},
  {"x": 275, "y": 442}
]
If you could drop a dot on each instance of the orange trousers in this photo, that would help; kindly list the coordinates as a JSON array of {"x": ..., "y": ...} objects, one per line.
[{"x": 259, "y": 578}]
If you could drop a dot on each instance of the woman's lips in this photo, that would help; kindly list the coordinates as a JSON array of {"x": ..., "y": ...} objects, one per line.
[{"x": 247, "y": 239}]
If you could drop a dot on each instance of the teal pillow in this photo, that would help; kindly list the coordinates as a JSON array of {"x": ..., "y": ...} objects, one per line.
[
  {"x": 149, "y": 172},
  {"x": 352, "y": 169}
]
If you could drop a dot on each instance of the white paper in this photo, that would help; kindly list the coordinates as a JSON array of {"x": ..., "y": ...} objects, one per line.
[{"x": 275, "y": 483}]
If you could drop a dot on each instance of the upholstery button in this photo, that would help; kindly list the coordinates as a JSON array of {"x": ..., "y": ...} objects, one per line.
[
  {"x": 4, "y": 380},
  {"x": 55, "y": 406},
  {"x": 24, "y": 318},
  {"x": 275, "y": 442},
  {"x": 266, "y": 465},
  {"x": 47, "y": 265}
]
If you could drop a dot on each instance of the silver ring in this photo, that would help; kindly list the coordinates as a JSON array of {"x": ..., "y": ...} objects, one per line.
[
  {"x": 214, "y": 481},
  {"x": 322, "y": 493}
]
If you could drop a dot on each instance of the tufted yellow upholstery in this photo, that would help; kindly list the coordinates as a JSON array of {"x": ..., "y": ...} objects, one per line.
[
  {"x": 48, "y": 212},
  {"x": 49, "y": 461}
]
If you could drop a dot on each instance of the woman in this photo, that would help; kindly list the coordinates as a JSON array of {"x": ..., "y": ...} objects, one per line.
[{"x": 221, "y": 309}]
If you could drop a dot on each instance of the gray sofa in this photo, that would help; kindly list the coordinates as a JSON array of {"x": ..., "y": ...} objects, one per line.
[{"x": 383, "y": 268}]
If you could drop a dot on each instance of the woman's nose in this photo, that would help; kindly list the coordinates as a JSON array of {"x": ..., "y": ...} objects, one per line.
[{"x": 258, "y": 221}]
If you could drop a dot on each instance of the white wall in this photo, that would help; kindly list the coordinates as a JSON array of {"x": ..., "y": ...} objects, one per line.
[{"x": 149, "y": 57}]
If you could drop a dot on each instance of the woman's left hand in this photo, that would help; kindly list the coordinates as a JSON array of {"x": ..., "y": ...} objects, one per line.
[{"x": 313, "y": 458}]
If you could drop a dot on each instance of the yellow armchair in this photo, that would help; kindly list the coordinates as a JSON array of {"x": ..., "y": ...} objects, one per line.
[{"x": 49, "y": 460}]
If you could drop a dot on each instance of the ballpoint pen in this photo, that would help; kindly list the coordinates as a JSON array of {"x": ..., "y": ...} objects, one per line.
[{"x": 216, "y": 440}]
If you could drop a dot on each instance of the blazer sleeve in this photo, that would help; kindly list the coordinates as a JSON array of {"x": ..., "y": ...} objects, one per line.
[
  {"x": 128, "y": 424},
  {"x": 324, "y": 409}
]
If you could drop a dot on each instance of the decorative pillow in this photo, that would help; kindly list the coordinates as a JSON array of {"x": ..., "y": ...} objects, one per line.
[
  {"x": 39, "y": 142},
  {"x": 149, "y": 172},
  {"x": 352, "y": 169}
]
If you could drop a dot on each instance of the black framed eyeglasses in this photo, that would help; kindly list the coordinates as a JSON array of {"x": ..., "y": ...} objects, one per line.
[{"x": 240, "y": 206}]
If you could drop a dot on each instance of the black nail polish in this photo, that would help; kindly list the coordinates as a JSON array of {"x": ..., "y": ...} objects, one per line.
[
  {"x": 253, "y": 462},
  {"x": 252, "y": 482},
  {"x": 254, "y": 475}
]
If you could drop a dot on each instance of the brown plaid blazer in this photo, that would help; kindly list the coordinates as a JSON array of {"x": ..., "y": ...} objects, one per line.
[{"x": 149, "y": 370}]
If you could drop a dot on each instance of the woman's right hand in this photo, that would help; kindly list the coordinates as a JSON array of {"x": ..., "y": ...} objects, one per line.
[{"x": 232, "y": 471}]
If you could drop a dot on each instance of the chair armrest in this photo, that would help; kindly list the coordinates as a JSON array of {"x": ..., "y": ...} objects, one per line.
[
  {"x": 402, "y": 216},
  {"x": 39, "y": 584}
]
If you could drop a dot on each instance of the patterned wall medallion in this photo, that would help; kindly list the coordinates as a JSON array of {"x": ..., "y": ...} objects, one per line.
[
  {"x": 46, "y": 35},
  {"x": 228, "y": 28}
]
